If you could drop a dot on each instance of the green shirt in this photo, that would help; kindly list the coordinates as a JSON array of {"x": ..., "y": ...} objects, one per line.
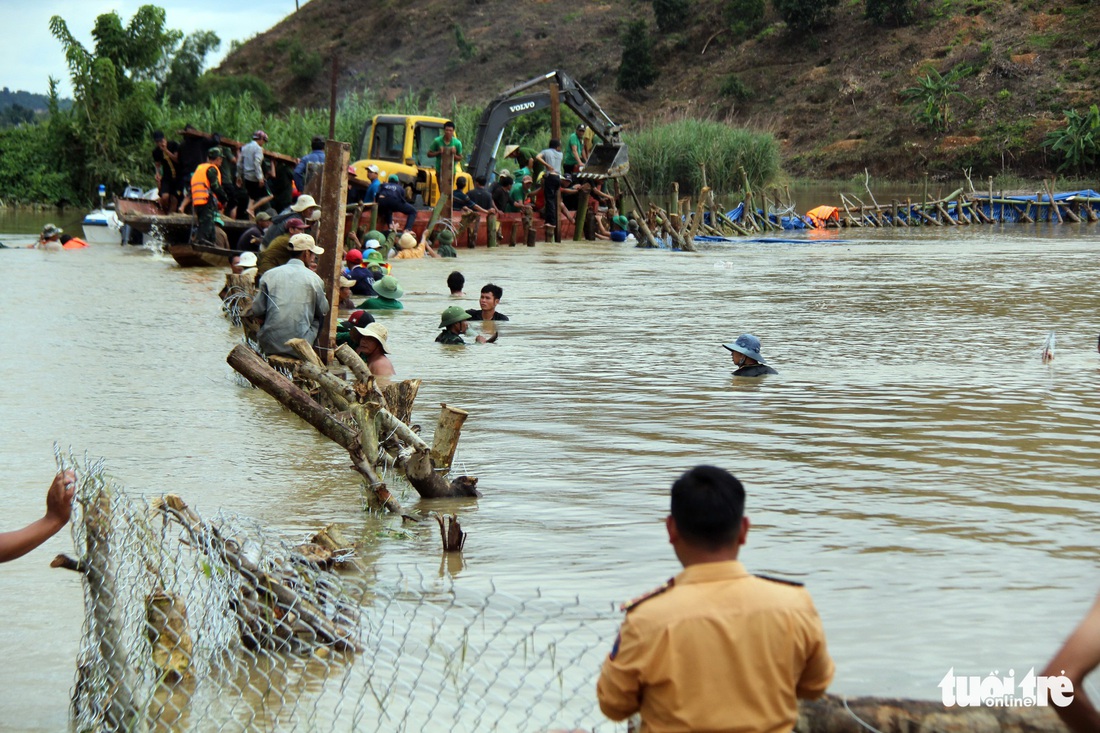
[
  {"x": 449, "y": 337},
  {"x": 438, "y": 145},
  {"x": 569, "y": 158},
  {"x": 378, "y": 303},
  {"x": 277, "y": 253},
  {"x": 518, "y": 195}
]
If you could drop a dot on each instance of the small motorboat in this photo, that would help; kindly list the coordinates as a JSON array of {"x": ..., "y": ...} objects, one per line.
[{"x": 103, "y": 226}]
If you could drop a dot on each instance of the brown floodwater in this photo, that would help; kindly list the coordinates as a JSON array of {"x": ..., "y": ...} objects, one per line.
[{"x": 914, "y": 463}]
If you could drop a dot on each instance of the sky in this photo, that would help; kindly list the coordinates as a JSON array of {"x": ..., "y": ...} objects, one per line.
[{"x": 33, "y": 55}]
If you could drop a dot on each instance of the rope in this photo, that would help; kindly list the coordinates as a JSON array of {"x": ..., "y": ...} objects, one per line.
[{"x": 858, "y": 719}]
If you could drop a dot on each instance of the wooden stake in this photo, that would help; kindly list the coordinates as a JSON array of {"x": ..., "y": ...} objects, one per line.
[
  {"x": 334, "y": 199},
  {"x": 447, "y": 432},
  {"x": 491, "y": 230},
  {"x": 581, "y": 215},
  {"x": 446, "y": 182}
]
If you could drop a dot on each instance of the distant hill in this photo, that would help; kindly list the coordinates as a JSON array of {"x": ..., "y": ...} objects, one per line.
[
  {"x": 834, "y": 98},
  {"x": 28, "y": 100}
]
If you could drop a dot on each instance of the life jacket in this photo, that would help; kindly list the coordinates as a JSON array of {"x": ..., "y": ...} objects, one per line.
[
  {"x": 200, "y": 186},
  {"x": 74, "y": 243}
]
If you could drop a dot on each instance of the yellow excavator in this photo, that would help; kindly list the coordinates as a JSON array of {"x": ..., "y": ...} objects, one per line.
[{"x": 398, "y": 144}]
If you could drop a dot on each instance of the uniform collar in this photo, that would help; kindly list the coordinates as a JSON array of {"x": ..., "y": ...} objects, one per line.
[{"x": 710, "y": 572}]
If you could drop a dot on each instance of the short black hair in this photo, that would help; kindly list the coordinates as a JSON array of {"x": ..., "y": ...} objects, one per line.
[
  {"x": 480, "y": 180},
  {"x": 158, "y": 135},
  {"x": 707, "y": 506},
  {"x": 317, "y": 143},
  {"x": 554, "y": 143},
  {"x": 449, "y": 124},
  {"x": 460, "y": 184},
  {"x": 455, "y": 281},
  {"x": 496, "y": 290}
]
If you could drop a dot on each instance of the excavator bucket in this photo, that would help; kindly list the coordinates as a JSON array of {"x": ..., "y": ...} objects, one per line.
[{"x": 607, "y": 160}]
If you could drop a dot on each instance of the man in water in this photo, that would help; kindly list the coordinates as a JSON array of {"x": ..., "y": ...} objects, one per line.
[
  {"x": 747, "y": 358},
  {"x": 291, "y": 299},
  {"x": 490, "y": 297},
  {"x": 454, "y": 324},
  {"x": 715, "y": 648},
  {"x": 371, "y": 347}
]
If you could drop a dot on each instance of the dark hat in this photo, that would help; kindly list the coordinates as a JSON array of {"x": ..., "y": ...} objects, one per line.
[
  {"x": 214, "y": 153},
  {"x": 748, "y": 345}
]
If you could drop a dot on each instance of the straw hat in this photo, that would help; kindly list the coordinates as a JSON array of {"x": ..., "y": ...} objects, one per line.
[
  {"x": 305, "y": 201},
  {"x": 377, "y": 332},
  {"x": 347, "y": 282}
]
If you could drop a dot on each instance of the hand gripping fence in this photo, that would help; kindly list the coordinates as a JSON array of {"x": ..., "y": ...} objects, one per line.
[{"x": 216, "y": 624}]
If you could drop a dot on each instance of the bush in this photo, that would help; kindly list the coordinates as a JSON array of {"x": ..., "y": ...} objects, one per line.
[
  {"x": 732, "y": 86},
  {"x": 667, "y": 153},
  {"x": 636, "y": 70},
  {"x": 671, "y": 14},
  {"x": 805, "y": 15},
  {"x": 892, "y": 13},
  {"x": 1078, "y": 141},
  {"x": 745, "y": 17}
]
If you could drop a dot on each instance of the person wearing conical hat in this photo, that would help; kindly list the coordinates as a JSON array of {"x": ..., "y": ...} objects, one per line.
[{"x": 747, "y": 358}]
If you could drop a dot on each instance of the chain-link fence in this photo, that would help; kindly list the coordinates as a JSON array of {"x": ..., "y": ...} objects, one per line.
[{"x": 196, "y": 623}]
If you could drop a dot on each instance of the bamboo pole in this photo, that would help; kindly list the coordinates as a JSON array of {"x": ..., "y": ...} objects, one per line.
[
  {"x": 943, "y": 213},
  {"x": 992, "y": 211},
  {"x": 447, "y": 432}
]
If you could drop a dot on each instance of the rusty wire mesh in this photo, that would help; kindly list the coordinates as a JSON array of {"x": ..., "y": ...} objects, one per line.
[{"x": 212, "y": 624}]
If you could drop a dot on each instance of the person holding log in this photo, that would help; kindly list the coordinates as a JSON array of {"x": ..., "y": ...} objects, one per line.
[
  {"x": 59, "y": 507},
  {"x": 746, "y": 357},
  {"x": 291, "y": 301},
  {"x": 715, "y": 648},
  {"x": 1077, "y": 657}
]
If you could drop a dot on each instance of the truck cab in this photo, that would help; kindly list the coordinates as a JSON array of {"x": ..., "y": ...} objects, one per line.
[{"x": 398, "y": 144}]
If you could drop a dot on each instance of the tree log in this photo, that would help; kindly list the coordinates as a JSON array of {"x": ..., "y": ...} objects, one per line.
[
  {"x": 341, "y": 393},
  {"x": 491, "y": 230},
  {"x": 830, "y": 715},
  {"x": 450, "y": 532},
  {"x": 259, "y": 373},
  {"x": 447, "y": 432},
  {"x": 349, "y": 358},
  {"x": 305, "y": 351},
  {"x": 399, "y": 398}
]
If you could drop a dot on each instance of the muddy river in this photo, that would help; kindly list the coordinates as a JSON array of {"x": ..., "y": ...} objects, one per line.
[{"x": 914, "y": 463}]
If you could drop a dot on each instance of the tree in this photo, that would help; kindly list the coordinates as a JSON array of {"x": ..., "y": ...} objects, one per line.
[
  {"x": 1078, "y": 141},
  {"x": 671, "y": 14},
  {"x": 895, "y": 13},
  {"x": 745, "y": 17},
  {"x": 933, "y": 94},
  {"x": 636, "y": 70},
  {"x": 181, "y": 83},
  {"x": 805, "y": 15}
]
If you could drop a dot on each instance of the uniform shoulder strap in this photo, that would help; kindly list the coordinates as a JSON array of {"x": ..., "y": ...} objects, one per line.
[
  {"x": 632, "y": 604},
  {"x": 779, "y": 580}
]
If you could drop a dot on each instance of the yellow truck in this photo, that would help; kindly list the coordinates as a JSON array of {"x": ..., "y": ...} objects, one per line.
[{"x": 398, "y": 145}]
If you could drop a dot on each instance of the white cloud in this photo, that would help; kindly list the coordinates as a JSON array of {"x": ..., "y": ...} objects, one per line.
[{"x": 33, "y": 54}]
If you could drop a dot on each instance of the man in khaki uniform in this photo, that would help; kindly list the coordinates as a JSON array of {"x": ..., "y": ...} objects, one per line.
[{"x": 715, "y": 648}]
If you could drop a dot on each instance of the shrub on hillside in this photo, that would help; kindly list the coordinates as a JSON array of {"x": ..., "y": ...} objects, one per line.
[
  {"x": 732, "y": 86},
  {"x": 805, "y": 15},
  {"x": 745, "y": 17},
  {"x": 636, "y": 70},
  {"x": 663, "y": 154},
  {"x": 671, "y": 14},
  {"x": 892, "y": 13}
]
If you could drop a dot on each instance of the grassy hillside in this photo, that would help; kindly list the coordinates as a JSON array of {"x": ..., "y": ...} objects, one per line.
[{"x": 833, "y": 98}]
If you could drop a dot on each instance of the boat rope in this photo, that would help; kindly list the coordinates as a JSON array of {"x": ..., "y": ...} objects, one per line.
[{"x": 857, "y": 718}]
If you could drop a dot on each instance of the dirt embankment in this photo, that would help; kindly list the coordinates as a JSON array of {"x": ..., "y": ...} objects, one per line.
[{"x": 834, "y": 99}]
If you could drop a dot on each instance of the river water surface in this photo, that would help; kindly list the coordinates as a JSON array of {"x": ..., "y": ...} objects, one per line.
[{"x": 914, "y": 463}]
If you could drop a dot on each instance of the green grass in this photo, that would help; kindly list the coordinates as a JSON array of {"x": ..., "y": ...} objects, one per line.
[{"x": 663, "y": 154}]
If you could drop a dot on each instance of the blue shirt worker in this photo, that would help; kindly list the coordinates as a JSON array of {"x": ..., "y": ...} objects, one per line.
[
  {"x": 291, "y": 299},
  {"x": 715, "y": 648},
  {"x": 316, "y": 154},
  {"x": 747, "y": 358}
]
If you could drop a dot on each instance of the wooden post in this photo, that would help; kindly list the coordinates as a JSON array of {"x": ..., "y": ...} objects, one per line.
[
  {"x": 992, "y": 211},
  {"x": 555, "y": 112},
  {"x": 491, "y": 230},
  {"x": 582, "y": 213},
  {"x": 447, "y": 181},
  {"x": 1053, "y": 205},
  {"x": 334, "y": 199},
  {"x": 447, "y": 432}
]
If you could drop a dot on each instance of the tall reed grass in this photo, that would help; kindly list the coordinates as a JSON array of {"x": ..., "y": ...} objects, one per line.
[{"x": 668, "y": 153}]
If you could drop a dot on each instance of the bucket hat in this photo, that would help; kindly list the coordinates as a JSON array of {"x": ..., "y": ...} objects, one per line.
[
  {"x": 748, "y": 345},
  {"x": 376, "y": 331},
  {"x": 376, "y": 257},
  {"x": 388, "y": 287},
  {"x": 305, "y": 201},
  {"x": 406, "y": 241},
  {"x": 453, "y": 314}
]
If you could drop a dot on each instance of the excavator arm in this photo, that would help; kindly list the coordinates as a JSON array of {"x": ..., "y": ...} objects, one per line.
[{"x": 608, "y": 160}]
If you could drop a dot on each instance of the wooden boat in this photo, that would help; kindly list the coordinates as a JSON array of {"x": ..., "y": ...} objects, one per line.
[{"x": 145, "y": 216}]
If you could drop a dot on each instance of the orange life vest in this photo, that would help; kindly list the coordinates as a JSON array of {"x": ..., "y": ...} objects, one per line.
[
  {"x": 74, "y": 243},
  {"x": 200, "y": 186}
]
